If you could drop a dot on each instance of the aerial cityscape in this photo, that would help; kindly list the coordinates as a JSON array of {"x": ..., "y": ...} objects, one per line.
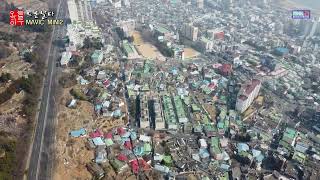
[{"x": 159, "y": 89}]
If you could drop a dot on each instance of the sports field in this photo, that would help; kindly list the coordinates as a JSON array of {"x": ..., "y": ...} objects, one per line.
[
  {"x": 146, "y": 49},
  {"x": 190, "y": 53}
]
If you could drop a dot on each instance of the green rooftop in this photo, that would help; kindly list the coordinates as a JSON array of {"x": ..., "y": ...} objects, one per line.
[
  {"x": 205, "y": 120},
  {"x": 186, "y": 100},
  {"x": 220, "y": 125},
  {"x": 147, "y": 148},
  {"x": 128, "y": 47},
  {"x": 179, "y": 107},
  {"x": 224, "y": 176},
  {"x": 286, "y": 145},
  {"x": 287, "y": 139},
  {"x": 289, "y": 132},
  {"x": 96, "y": 54},
  {"x": 204, "y": 39},
  {"x": 210, "y": 128},
  {"x": 300, "y": 157},
  {"x": 222, "y": 114},
  {"x": 145, "y": 87},
  {"x": 214, "y": 144},
  {"x": 131, "y": 92},
  {"x": 169, "y": 114},
  {"x": 146, "y": 67},
  {"x": 116, "y": 164},
  {"x": 167, "y": 160},
  {"x": 195, "y": 108},
  {"x": 162, "y": 30}
]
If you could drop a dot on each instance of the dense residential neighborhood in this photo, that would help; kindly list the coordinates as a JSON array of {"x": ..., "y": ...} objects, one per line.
[
  {"x": 193, "y": 90},
  {"x": 164, "y": 89}
]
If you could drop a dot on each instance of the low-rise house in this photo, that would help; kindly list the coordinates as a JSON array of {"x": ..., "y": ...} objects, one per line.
[
  {"x": 215, "y": 150},
  {"x": 118, "y": 166},
  {"x": 122, "y": 157},
  {"x": 72, "y": 103},
  {"x": 95, "y": 170},
  {"x": 82, "y": 81},
  {"x": 161, "y": 168},
  {"x": 101, "y": 155},
  {"x": 158, "y": 157},
  {"x": 203, "y": 143},
  {"x": 257, "y": 155},
  {"x": 136, "y": 165},
  {"x": 204, "y": 154},
  {"x": 301, "y": 147},
  {"x": 167, "y": 160},
  {"x": 138, "y": 150},
  {"x": 101, "y": 75},
  {"x": 97, "y": 57},
  {"x": 210, "y": 130},
  {"x": 242, "y": 147},
  {"x": 96, "y": 133},
  {"x": 299, "y": 157},
  {"x": 78, "y": 133},
  {"x": 288, "y": 139},
  {"x": 147, "y": 148},
  {"x": 196, "y": 157},
  {"x": 108, "y": 142},
  {"x": 97, "y": 141},
  {"x": 145, "y": 138},
  {"x": 180, "y": 164},
  {"x": 65, "y": 58},
  {"x": 224, "y": 142}
]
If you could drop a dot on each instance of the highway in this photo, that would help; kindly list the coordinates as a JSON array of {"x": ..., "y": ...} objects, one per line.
[{"x": 42, "y": 153}]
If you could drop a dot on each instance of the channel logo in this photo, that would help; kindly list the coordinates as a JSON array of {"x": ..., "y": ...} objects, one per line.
[
  {"x": 16, "y": 18},
  {"x": 21, "y": 18},
  {"x": 301, "y": 14}
]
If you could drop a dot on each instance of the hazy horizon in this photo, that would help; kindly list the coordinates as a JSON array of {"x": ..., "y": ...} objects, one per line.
[{"x": 312, "y": 4}]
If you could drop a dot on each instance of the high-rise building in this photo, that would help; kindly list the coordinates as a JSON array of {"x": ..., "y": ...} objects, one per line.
[
  {"x": 116, "y": 3},
  {"x": 80, "y": 10},
  {"x": 190, "y": 32},
  {"x": 178, "y": 53},
  {"x": 227, "y": 4},
  {"x": 144, "y": 118},
  {"x": 315, "y": 27},
  {"x": 126, "y": 3},
  {"x": 247, "y": 94},
  {"x": 216, "y": 34},
  {"x": 200, "y": 4},
  {"x": 159, "y": 121},
  {"x": 205, "y": 44},
  {"x": 194, "y": 33},
  {"x": 309, "y": 28},
  {"x": 127, "y": 27}
]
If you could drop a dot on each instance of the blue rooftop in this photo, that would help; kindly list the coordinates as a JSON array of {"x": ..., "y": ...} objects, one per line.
[
  {"x": 242, "y": 147},
  {"x": 78, "y": 133},
  {"x": 284, "y": 50},
  {"x": 138, "y": 150},
  {"x": 98, "y": 141},
  {"x": 133, "y": 135}
]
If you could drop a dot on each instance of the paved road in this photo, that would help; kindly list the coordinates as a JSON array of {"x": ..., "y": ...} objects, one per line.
[{"x": 41, "y": 159}]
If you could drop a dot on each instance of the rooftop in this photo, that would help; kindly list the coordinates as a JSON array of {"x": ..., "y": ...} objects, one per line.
[
  {"x": 162, "y": 30},
  {"x": 249, "y": 88}
]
